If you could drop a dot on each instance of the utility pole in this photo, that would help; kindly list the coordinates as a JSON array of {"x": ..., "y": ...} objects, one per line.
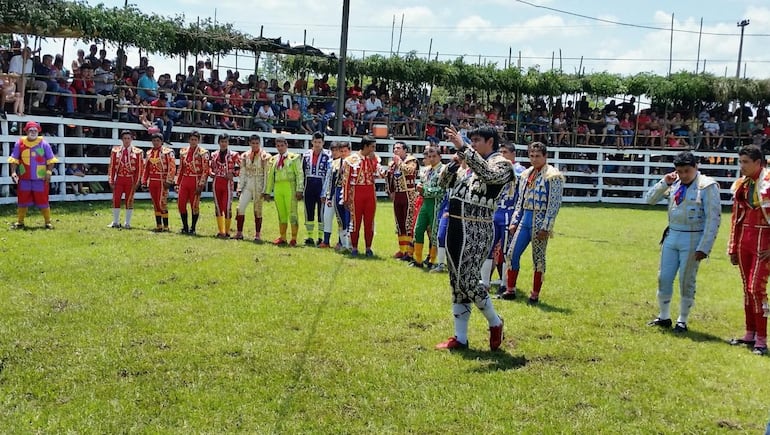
[
  {"x": 742, "y": 25},
  {"x": 341, "y": 87}
]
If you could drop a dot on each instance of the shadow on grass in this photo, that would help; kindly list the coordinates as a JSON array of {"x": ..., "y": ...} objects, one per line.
[
  {"x": 697, "y": 336},
  {"x": 492, "y": 361},
  {"x": 542, "y": 306},
  {"x": 300, "y": 365}
]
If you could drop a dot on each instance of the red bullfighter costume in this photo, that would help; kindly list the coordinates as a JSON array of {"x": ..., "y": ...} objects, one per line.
[
  {"x": 34, "y": 159},
  {"x": 158, "y": 176},
  {"x": 750, "y": 234},
  {"x": 358, "y": 194},
  {"x": 124, "y": 175},
  {"x": 224, "y": 166},
  {"x": 191, "y": 179},
  {"x": 401, "y": 183}
]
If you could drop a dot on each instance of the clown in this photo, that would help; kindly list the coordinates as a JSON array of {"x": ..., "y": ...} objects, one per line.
[{"x": 31, "y": 166}]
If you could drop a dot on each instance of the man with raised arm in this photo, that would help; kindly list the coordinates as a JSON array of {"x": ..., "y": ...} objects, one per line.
[{"x": 470, "y": 231}]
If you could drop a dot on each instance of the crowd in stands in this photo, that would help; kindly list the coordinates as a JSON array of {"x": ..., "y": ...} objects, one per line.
[{"x": 96, "y": 85}]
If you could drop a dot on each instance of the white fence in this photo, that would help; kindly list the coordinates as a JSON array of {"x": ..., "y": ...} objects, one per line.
[{"x": 593, "y": 174}]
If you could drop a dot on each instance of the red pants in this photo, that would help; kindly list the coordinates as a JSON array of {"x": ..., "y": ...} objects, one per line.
[
  {"x": 223, "y": 197},
  {"x": 753, "y": 235},
  {"x": 123, "y": 186},
  {"x": 188, "y": 193},
  {"x": 159, "y": 195},
  {"x": 364, "y": 206},
  {"x": 32, "y": 192},
  {"x": 401, "y": 210}
]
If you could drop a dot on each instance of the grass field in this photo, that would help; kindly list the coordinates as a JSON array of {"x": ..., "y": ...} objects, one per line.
[{"x": 112, "y": 331}]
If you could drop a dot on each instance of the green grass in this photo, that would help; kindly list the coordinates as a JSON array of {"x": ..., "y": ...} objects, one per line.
[{"x": 105, "y": 331}]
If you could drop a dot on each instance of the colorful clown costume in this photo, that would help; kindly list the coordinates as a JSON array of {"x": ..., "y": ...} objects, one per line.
[
  {"x": 31, "y": 163},
  {"x": 158, "y": 176},
  {"x": 539, "y": 199}
]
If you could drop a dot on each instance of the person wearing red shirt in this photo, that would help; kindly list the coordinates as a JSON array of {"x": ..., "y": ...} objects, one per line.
[
  {"x": 191, "y": 180},
  {"x": 124, "y": 175},
  {"x": 158, "y": 176},
  {"x": 224, "y": 167},
  {"x": 358, "y": 194},
  {"x": 84, "y": 85},
  {"x": 749, "y": 244},
  {"x": 160, "y": 116}
]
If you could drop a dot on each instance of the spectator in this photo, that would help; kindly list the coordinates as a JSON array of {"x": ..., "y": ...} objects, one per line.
[
  {"x": 92, "y": 58},
  {"x": 627, "y": 130},
  {"x": 84, "y": 85},
  {"x": 148, "y": 86},
  {"x": 22, "y": 65},
  {"x": 372, "y": 109},
  {"x": 9, "y": 94},
  {"x": 78, "y": 62},
  {"x": 161, "y": 117},
  {"x": 265, "y": 117},
  {"x": 104, "y": 84},
  {"x": 47, "y": 73},
  {"x": 711, "y": 130}
]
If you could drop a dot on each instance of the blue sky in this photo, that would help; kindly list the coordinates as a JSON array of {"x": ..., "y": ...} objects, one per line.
[{"x": 488, "y": 28}]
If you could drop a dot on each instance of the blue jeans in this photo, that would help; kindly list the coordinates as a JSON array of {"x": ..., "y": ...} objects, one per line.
[
  {"x": 54, "y": 87},
  {"x": 167, "y": 131}
]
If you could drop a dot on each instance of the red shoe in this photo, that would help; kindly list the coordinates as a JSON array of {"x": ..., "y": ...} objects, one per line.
[
  {"x": 293, "y": 243},
  {"x": 279, "y": 242},
  {"x": 398, "y": 255},
  {"x": 323, "y": 245},
  {"x": 496, "y": 335},
  {"x": 452, "y": 344}
]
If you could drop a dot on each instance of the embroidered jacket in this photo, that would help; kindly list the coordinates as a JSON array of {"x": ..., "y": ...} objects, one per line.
[
  {"x": 358, "y": 170},
  {"x": 540, "y": 192},
  {"x": 332, "y": 180},
  {"x": 402, "y": 177},
  {"x": 484, "y": 181},
  {"x": 254, "y": 168},
  {"x": 291, "y": 171},
  {"x": 230, "y": 165},
  {"x": 125, "y": 162},
  {"x": 32, "y": 158},
  {"x": 741, "y": 202},
  {"x": 194, "y": 163},
  {"x": 429, "y": 180},
  {"x": 159, "y": 164},
  {"x": 693, "y": 208},
  {"x": 321, "y": 166}
]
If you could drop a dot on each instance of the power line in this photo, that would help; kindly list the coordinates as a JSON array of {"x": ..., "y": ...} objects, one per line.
[
  {"x": 638, "y": 26},
  {"x": 596, "y": 59}
]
